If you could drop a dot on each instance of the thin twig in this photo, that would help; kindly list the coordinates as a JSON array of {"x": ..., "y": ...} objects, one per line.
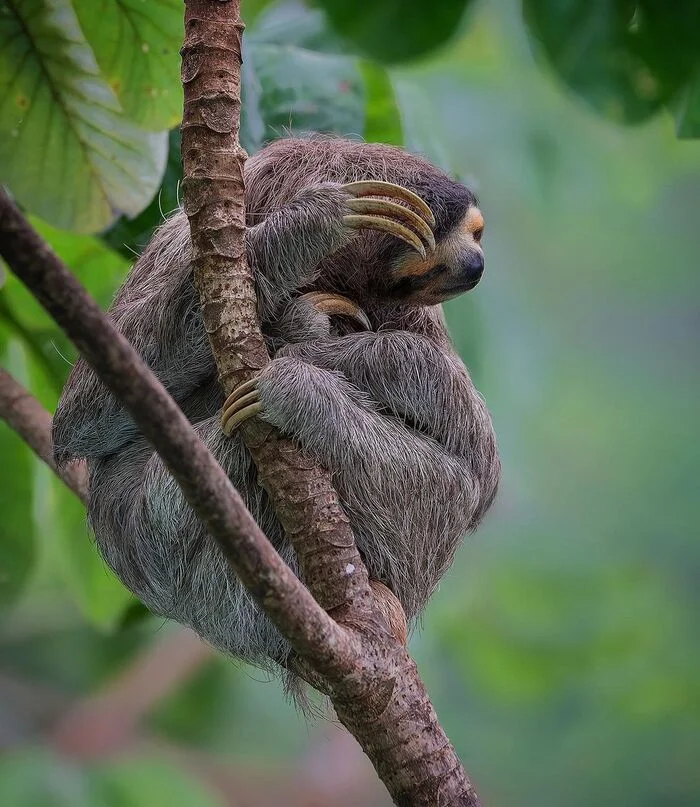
[{"x": 23, "y": 413}]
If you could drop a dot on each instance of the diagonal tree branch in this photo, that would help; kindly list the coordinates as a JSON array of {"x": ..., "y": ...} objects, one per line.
[
  {"x": 204, "y": 484},
  {"x": 23, "y": 413}
]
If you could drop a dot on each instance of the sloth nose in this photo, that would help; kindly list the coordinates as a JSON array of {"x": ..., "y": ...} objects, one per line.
[{"x": 471, "y": 268}]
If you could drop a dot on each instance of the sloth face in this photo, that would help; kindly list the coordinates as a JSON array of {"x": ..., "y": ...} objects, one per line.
[{"x": 454, "y": 267}]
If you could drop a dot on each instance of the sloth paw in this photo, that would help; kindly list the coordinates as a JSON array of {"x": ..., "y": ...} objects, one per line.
[
  {"x": 242, "y": 404},
  {"x": 337, "y": 305},
  {"x": 371, "y": 211}
]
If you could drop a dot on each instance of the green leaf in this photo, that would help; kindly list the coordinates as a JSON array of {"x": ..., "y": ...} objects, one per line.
[
  {"x": 291, "y": 23},
  {"x": 625, "y": 58},
  {"x": 303, "y": 90},
  {"x": 589, "y": 46},
  {"x": 393, "y": 31},
  {"x": 129, "y": 236},
  {"x": 17, "y": 536},
  {"x": 99, "y": 268},
  {"x": 686, "y": 110},
  {"x": 252, "y": 9},
  {"x": 66, "y": 151},
  {"x": 137, "y": 46},
  {"x": 383, "y": 119}
]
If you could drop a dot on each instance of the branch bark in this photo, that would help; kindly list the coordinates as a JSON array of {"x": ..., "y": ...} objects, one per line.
[
  {"x": 383, "y": 701},
  {"x": 213, "y": 193}
]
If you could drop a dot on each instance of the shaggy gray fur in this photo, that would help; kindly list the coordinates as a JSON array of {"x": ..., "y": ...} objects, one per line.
[{"x": 392, "y": 413}]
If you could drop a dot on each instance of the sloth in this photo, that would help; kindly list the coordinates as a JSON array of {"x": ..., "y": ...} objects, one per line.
[{"x": 353, "y": 247}]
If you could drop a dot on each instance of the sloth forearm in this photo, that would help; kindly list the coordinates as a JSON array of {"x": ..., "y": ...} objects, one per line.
[
  {"x": 413, "y": 378},
  {"x": 286, "y": 249}
]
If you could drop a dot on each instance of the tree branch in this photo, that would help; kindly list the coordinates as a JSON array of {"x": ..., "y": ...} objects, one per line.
[
  {"x": 25, "y": 415},
  {"x": 382, "y": 701},
  {"x": 303, "y": 496},
  {"x": 205, "y": 485}
]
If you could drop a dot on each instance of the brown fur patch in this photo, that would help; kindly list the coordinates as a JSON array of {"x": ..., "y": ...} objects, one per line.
[{"x": 473, "y": 221}]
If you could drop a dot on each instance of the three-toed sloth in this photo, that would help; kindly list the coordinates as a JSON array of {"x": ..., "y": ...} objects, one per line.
[{"x": 353, "y": 247}]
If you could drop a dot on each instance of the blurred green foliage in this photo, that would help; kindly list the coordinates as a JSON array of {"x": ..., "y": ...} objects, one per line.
[{"x": 562, "y": 648}]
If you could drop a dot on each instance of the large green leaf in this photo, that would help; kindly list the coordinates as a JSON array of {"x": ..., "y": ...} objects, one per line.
[
  {"x": 66, "y": 151},
  {"x": 626, "y": 58},
  {"x": 129, "y": 236},
  {"x": 395, "y": 30},
  {"x": 137, "y": 46},
  {"x": 17, "y": 537},
  {"x": 303, "y": 90}
]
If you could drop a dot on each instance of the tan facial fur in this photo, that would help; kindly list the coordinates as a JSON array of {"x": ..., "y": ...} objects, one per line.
[{"x": 466, "y": 236}]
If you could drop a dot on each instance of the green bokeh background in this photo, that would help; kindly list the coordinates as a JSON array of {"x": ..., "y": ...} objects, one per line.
[{"x": 562, "y": 649}]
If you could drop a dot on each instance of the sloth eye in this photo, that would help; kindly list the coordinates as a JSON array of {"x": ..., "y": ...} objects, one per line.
[{"x": 478, "y": 233}]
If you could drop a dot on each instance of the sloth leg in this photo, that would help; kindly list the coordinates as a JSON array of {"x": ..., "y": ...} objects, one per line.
[
  {"x": 393, "y": 481},
  {"x": 408, "y": 499}
]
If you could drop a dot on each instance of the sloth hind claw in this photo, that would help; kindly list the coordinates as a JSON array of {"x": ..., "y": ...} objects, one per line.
[
  {"x": 328, "y": 303},
  {"x": 244, "y": 402},
  {"x": 374, "y": 213},
  {"x": 241, "y": 405}
]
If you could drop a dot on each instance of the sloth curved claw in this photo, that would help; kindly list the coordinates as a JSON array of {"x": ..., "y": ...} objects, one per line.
[
  {"x": 242, "y": 404},
  {"x": 380, "y": 188},
  {"x": 387, "y": 226},
  {"x": 382, "y": 207},
  {"x": 328, "y": 303}
]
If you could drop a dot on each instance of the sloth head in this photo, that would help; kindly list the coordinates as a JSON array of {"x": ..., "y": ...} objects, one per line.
[{"x": 375, "y": 265}]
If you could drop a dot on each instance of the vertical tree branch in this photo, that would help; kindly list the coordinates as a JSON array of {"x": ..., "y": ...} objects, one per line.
[
  {"x": 382, "y": 701},
  {"x": 303, "y": 496}
]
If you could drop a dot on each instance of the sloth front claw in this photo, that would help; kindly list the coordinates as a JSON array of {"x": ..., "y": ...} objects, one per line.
[
  {"x": 242, "y": 404},
  {"x": 328, "y": 303},
  {"x": 374, "y": 213}
]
